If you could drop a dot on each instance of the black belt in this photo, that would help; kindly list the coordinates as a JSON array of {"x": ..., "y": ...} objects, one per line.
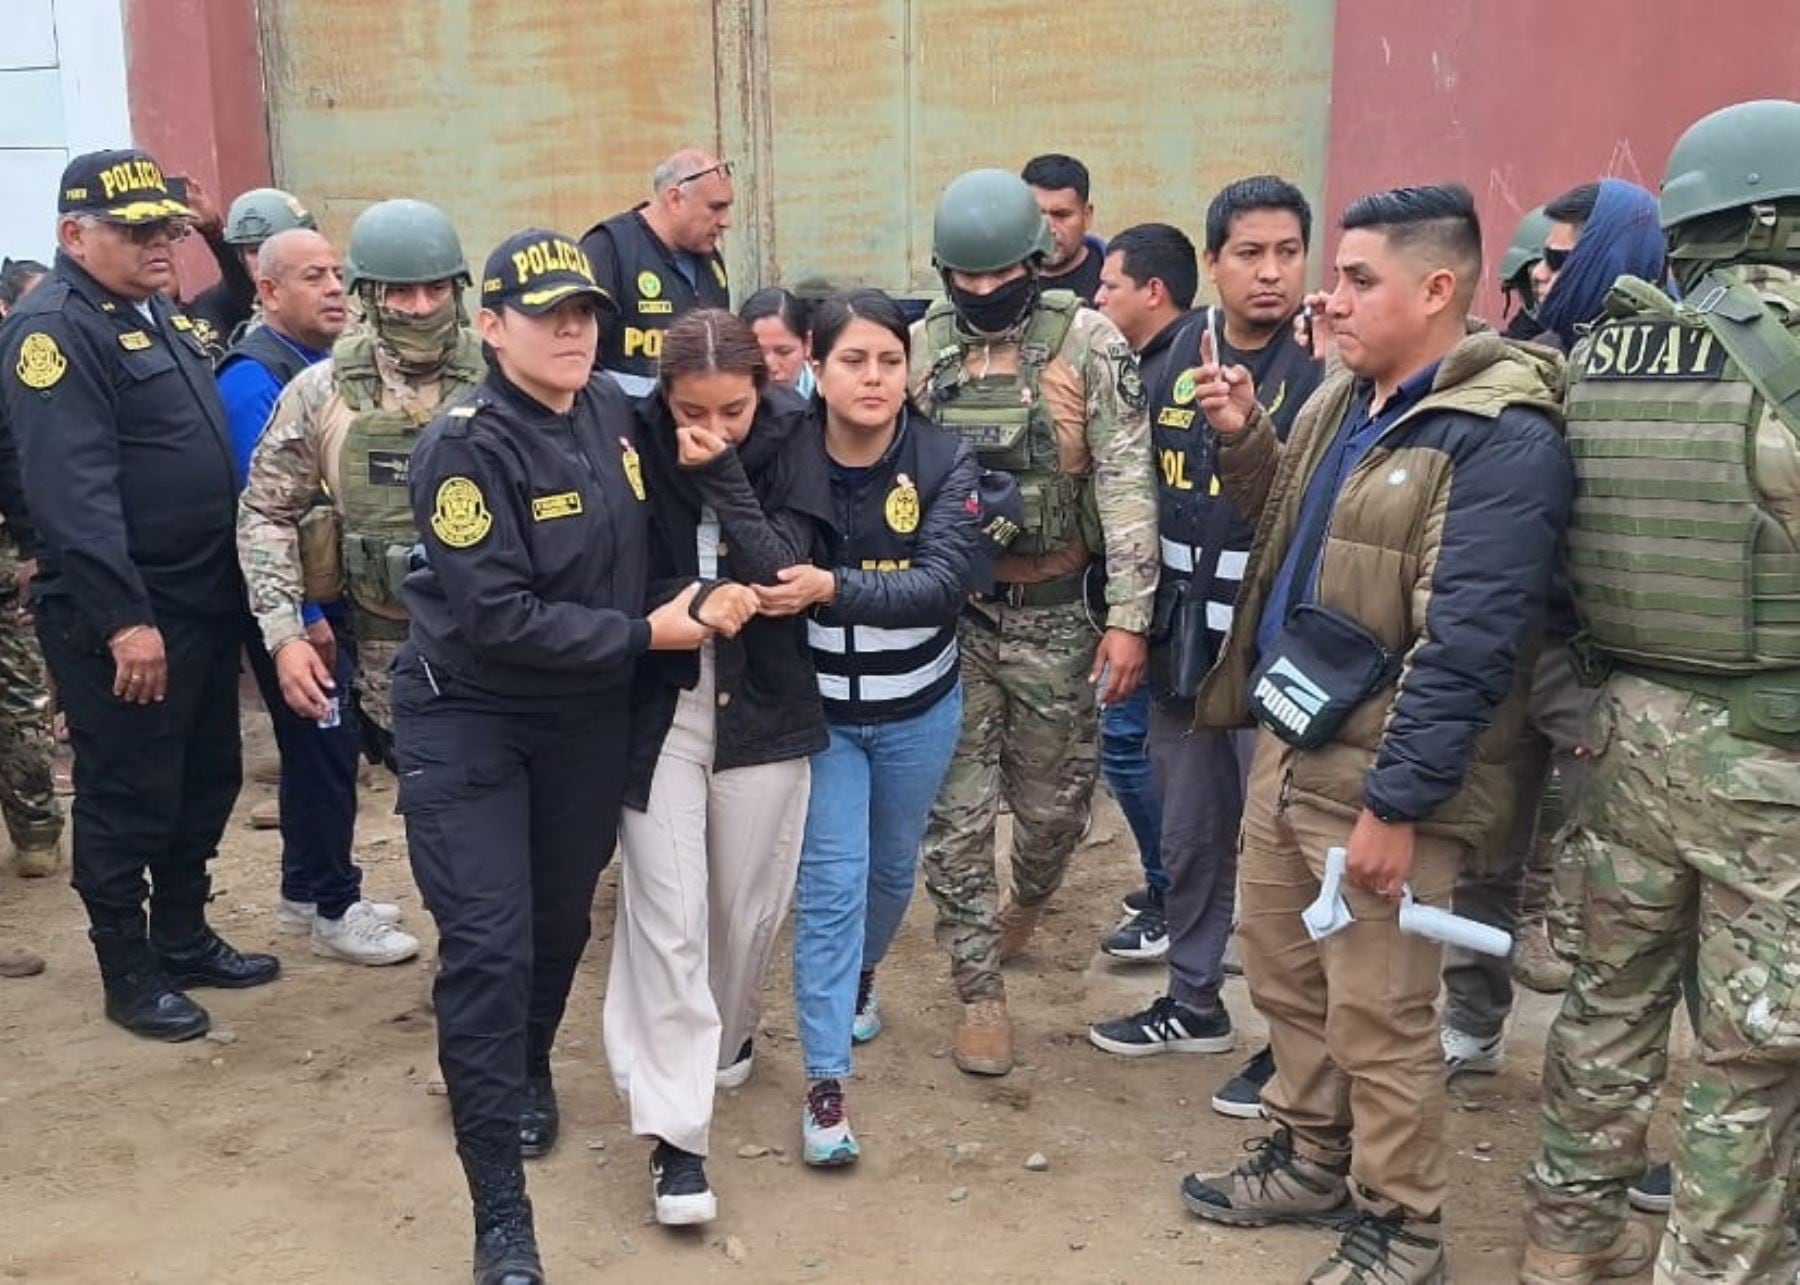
[{"x": 1040, "y": 593}]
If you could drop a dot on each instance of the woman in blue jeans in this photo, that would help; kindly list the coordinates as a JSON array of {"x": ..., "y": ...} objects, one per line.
[{"x": 883, "y": 634}]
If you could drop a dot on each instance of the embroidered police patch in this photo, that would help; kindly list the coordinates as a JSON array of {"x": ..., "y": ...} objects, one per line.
[
  {"x": 41, "y": 362},
  {"x": 902, "y": 507},
  {"x": 460, "y": 516}
]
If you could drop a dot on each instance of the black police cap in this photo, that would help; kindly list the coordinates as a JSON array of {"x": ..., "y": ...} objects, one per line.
[
  {"x": 124, "y": 185},
  {"x": 535, "y": 270}
]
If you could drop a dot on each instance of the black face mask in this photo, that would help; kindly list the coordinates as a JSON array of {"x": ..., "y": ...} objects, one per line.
[{"x": 999, "y": 312}]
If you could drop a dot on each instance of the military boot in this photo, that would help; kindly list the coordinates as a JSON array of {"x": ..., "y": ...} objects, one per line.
[
  {"x": 540, "y": 1120},
  {"x": 1386, "y": 1249},
  {"x": 1271, "y": 1185},
  {"x": 1630, "y": 1253},
  {"x": 139, "y": 995},
  {"x": 1017, "y": 923},
  {"x": 1537, "y": 967},
  {"x": 506, "y": 1251},
  {"x": 207, "y": 959},
  {"x": 38, "y": 860},
  {"x": 984, "y": 1039}
]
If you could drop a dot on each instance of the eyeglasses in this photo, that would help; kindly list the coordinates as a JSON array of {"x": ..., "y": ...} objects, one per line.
[
  {"x": 145, "y": 233},
  {"x": 722, "y": 169},
  {"x": 1555, "y": 258}
]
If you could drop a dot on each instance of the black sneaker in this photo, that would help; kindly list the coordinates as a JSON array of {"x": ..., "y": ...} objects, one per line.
[
  {"x": 1241, "y": 1098},
  {"x": 1654, "y": 1192},
  {"x": 1167, "y": 1026},
  {"x": 683, "y": 1196},
  {"x": 738, "y": 1073},
  {"x": 1143, "y": 937},
  {"x": 1140, "y": 900}
]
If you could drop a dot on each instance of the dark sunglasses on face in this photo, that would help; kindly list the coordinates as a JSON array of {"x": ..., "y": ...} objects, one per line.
[
  {"x": 1555, "y": 258},
  {"x": 145, "y": 233}
]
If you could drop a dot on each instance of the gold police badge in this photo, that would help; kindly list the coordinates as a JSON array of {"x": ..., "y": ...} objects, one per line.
[
  {"x": 902, "y": 507},
  {"x": 634, "y": 467},
  {"x": 41, "y": 363},
  {"x": 1187, "y": 383},
  {"x": 460, "y": 516},
  {"x": 649, "y": 285}
]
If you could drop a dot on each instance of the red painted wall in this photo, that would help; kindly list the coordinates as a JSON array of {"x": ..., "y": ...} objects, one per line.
[
  {"x": 194, "y": 76},
  {"x": 1523, "y": 99}
]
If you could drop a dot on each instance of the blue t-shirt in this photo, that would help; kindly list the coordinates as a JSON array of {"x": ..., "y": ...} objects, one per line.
[
  {"x": 1359, "y": 431},
  {"x": 249, "y": 390}
]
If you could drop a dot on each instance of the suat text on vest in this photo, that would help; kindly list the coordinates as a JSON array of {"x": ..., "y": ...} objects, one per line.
[
  {"x": 1680, "y": 569},
  {"x": 1006, "y": 421},
  {"x": 375, "y": 504}
]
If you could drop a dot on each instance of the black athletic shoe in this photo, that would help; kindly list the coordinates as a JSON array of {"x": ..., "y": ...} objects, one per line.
[
  {"x": 1167, "y": 1026},
  {"x": 1140, "y": 900},
  {"x": 683, "y": 1196},
  {"x": 1142, "y": 938},
  {"x": 1654, "y": 1193},
  {"x": 1241, "y": 1098}
]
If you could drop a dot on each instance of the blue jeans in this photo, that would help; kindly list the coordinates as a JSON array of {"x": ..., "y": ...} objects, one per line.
[
  {"x": 872, "y": 789},
  {"x": 318, "y": 784},
  {"x": 1125, "y": 763}
]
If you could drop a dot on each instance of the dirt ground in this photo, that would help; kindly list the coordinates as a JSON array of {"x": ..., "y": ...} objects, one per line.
[{"x": 301, "y": 1141}]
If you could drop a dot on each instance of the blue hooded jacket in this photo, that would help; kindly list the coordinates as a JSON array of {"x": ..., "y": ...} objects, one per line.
[{"x": 1621, "y": 238}]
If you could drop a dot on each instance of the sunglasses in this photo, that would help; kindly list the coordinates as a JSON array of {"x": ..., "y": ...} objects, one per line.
[
  {"x": 141, "y": 234},
  {"x": 1554, "y": 258},
  {"x": 722, "y": 169}
]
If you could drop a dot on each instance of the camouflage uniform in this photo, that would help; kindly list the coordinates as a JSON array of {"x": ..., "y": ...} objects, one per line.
[
  {"x": 34, "y": 819},
  {"x": 1029, "y": 718},
  {"x": 296, "y": 462},
  {"x": 1688, "y": 836}
]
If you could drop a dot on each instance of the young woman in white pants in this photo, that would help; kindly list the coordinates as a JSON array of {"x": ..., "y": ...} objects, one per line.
[{"x": 716, "y": 799}]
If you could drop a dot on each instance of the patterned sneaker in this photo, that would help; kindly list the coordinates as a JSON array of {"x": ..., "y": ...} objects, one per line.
[
  {"x": 1241, "y": 1097},
  {"x": 867, "y": 1023},
  {"x": 825, "y": 1128},
  {"x": 1142, "y": 938},
  {"x": 683, "y": 1196},
  {"x": 1273, "y": 1185},
  {"x": 1385, "y": 1249},
  {"x": 1466, "y": 1054},
  {"x": 1167, "y": 1026}
]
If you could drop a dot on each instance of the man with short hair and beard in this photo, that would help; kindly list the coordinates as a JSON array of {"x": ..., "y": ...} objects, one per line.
[
  {"x": 1060, "y": 185},
  {"x": 1401, "y": 574}
]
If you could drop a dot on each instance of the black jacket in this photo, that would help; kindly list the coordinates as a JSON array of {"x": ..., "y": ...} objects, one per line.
[
  {"x": 229, "y": 302},
  {"x": 902, "y": 564},
  {"x": 125, "y": 454},
  {"x": 648, "y": 291},
  {"x": 536, "y": 542},
  {"x": 773, "y": 500},
  {"x": 14, "y": 512}
]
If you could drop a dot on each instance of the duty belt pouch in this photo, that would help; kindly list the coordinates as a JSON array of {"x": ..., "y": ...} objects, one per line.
[{"x": 1321, "y": 666}]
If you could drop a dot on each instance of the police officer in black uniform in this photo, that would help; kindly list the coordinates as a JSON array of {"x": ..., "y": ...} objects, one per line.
[
  {"x": 128, "y": 471},
  {"x": 528, "y": 613},
  {"x": 659, "y": 260}
]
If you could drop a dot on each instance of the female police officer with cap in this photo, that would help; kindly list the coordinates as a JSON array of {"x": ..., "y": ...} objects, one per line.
[{"x": 509, "y": 703}]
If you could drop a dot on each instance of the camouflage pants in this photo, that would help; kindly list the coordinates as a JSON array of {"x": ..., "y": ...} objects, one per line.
[
  {"x": 1031, "y": 731},
  {"x": 1691, "y": 842},
  {"x": 27, "y": 797}
]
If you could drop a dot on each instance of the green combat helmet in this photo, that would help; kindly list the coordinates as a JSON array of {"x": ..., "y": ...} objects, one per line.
[
  {"x": 404, "y": 242},
  {"x": 1526, "y": 249},
  {"x": 261, "y": 212},
  {"x": 1738, "y": 156},
  {"x": 987, "y": 220}
]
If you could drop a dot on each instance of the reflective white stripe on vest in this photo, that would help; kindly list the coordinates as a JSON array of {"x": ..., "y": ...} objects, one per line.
[
  {"x": 868, "y": 638},
  {"x": 1218, "y": 616},
  {"x": 1232, "y": 564},
  {"x": 635, "y": 385},
  {"x": 1177, "y": 556},
  {"x": 888, "y": 687}
]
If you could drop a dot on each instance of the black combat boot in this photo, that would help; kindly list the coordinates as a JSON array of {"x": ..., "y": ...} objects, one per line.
[
  {"x": 207, "y": 959},
  {"x": 139, "y": 995},
  {"x": 506, "y": 1251},
  {"x": 539, "y": 1121}
]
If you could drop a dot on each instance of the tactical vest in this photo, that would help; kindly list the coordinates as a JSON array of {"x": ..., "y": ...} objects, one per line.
[
  {"x": 375, "y": 504},
  {"x": 1679, "y": 568},
  {"x": 261, "y": 345},
  {"x": 651, "y": 293},
  {"x": 872, "y": 673},
  {"x": 1006, "y": 421}
]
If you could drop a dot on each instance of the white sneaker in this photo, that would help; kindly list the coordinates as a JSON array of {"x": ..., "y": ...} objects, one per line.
[
  {"x": 297, "y": 916},
  {"x": 1466, "y": 1054},
  {"x": 737, "y": 1074},
  {"x": 362, "y": 937}
]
